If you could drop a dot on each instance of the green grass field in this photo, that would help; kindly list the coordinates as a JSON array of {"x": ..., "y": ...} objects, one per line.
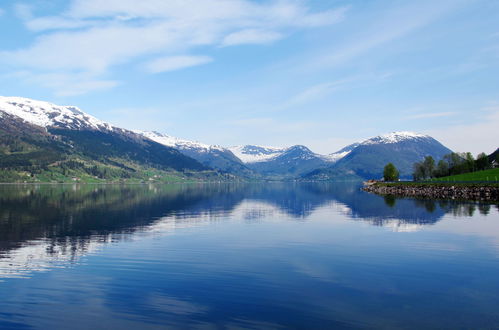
[{"x": 486, "y": 176}]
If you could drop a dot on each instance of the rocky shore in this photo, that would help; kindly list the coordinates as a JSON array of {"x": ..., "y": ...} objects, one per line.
[{"x": 461, "y": 192}]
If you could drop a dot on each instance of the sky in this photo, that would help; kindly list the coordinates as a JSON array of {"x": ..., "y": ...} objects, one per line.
[{"x": 320, "y": 73}]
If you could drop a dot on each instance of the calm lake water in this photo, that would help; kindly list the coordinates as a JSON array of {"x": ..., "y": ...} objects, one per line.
[{"x": 243, "y": 256}]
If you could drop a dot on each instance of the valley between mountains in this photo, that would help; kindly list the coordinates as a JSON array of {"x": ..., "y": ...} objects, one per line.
[{"x": 44, "y": 142}]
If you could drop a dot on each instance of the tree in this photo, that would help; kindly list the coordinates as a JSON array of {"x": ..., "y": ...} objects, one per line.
[
  {"x": 425, "y": 169},
  {"x": 482, "y": 162},
  {"x": 418, "y": 173},
  {"x": 429, "y": 167},
  {"x": 390, "y": 173},
  {"x": 470, "y": 162},
  {"x": 455, "y": 162},
  {"x": 442, "y": 169}
]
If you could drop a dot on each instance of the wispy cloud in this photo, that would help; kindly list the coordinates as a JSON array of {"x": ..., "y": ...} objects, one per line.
[
  {"x": 389, "y": 26},
  {"x": 322, "y": 90},
  {"x": 172, "y": 63},
  {"x": 316, "y": 92},
  {"x": 251, "y": 36},
  {"x": 91, "y": 37}
]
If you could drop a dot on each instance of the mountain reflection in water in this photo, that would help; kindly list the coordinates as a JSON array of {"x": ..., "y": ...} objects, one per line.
[
  {"x": 44, "y": 226},
  {"x": 299, "y": 255}
]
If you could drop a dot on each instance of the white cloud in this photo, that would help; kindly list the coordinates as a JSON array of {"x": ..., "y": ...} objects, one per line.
[
  {"x": 92, "y": 36},
  {"x": 93, "y": 50},
  {"x": 172, "y": 63},
  {"x": 251, "y": 36}
]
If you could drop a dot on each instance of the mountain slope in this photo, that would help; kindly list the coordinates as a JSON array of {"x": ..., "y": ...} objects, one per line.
[
  {"x": 280, "y": 162},
  {"x": 210, "y": 155},
  {"x": 336, "y": 156},
  {"x": 368, "y": 159},
  {"x": 23, "y": 144},
  {"x": 36, "y": 135},
  {"x": 253, "y": 154},
  {"x": 494, "y": 158}
]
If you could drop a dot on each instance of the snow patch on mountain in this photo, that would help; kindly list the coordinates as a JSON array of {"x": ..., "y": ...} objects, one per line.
[
  {"x": 47, "y": 114},
  {"x": 178, "y": 143},
  {"x": 336, "y": 156},
  {"x": 255, "y": 154},
  {"x": 394, "y": 137}
]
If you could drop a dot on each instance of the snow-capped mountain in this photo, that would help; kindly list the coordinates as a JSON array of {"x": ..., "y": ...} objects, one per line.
[
  {"x": 253, "y": 154},
  {"x": 37, "y": 134},
  {"x": 47, "y": 114},
  {"x": 299, "y": 160},
  {"x": 210, "y": 155},
  {"x": 395, "y": 137},
  {"x": 67, "y": 130},
  {"x": 335, "y": 156},
  {"x": 280, "y": 162},
  {"x": 179, "y": 143},
  {"x": 367, "y": 159}
]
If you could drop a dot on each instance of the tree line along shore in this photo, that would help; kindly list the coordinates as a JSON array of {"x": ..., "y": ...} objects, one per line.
[{"x": 456, "y": 176}]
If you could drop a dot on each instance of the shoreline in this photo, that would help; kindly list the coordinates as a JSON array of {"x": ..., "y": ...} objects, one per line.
[{"x": 455, "y": 191}]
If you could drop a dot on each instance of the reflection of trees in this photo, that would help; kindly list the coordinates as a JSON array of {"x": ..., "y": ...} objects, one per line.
[
  {"x": 71, "y": 216},
  {"x": 484, "y": 208},
  {"x": 390, "y": 200},
  {"x": 428, "y": 204}
]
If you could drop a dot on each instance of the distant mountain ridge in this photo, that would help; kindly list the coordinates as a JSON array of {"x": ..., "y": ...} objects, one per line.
[
  {"x": 213, "y": 156},
  {"x": 41, "y": 139},
  {"x": 45, "y": 114},
  {"x": 39, "y": 129},
  {"x": 254, "y": 153},
  {"x": 367, "y": 159},
  {"x": 275, "y": 162}
]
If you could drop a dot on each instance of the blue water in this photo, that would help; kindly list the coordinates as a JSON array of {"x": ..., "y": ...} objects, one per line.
[{"x": 244, "y": 256}]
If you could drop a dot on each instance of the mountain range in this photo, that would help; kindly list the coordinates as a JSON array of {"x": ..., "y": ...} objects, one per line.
[
  {"x": 40, "y": 140},
  {"x": 43, "y": 141}
]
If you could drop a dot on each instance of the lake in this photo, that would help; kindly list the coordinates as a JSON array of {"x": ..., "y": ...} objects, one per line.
[{"x": 269, "y": 255}]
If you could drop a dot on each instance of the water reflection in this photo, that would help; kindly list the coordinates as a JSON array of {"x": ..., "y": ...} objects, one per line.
[
  {"x": 42, "y": 227},
  {"x": 243, "y": 256}
]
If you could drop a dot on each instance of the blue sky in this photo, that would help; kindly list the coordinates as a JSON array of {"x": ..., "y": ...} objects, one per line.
[{"x": 284, "y": 72}]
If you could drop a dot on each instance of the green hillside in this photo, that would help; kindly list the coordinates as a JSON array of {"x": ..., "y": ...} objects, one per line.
[
  {"x": 487, "y": 175},
  {"x": 30, "y": 153}
]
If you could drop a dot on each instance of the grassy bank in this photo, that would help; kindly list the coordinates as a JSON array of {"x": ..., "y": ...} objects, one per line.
[
  {"x": 491, "y": 175},
  {"x": 436, "y": 184},
  {"x": 487, "y": 178}
]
